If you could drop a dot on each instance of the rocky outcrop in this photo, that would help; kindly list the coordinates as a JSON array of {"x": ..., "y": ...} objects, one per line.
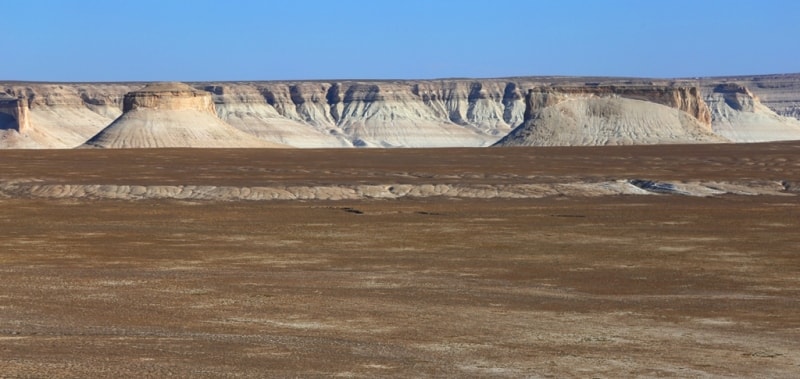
[
  {"x": 169, "y": 96},
  {"x": 684, "y": 97},
  {"x": 171, "y": 115}
]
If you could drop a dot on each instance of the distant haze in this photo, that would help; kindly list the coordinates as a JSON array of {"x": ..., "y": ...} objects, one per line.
[{"x": 203, "y": 40}]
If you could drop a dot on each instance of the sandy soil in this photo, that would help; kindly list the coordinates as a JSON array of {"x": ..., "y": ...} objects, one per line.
[{"x": 563, "y": 286}]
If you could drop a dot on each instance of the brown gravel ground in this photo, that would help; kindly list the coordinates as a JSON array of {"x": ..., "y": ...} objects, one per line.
[{"x": 616, "y": 286}]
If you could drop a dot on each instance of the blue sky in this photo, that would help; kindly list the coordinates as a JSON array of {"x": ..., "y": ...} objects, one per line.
[{"x": 198, "y": 40}]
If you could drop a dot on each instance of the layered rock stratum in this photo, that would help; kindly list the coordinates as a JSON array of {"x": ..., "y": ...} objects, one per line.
[{"x": 423, "y": 113}]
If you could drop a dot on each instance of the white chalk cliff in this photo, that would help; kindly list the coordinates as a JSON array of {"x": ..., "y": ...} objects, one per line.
[{"x": 421, "y": 113}]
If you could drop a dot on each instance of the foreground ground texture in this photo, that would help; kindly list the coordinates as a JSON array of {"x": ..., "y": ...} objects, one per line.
[{"x": 551, "y": 285}]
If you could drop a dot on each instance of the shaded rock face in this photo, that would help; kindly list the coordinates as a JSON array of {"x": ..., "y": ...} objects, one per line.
[{"x": 14, "y": 114}]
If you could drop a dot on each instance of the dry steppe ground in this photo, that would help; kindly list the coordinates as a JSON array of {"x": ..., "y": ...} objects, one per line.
[{"x": 561, "y": 286}]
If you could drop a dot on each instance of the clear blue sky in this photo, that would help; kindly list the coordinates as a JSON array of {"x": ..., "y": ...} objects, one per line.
[{"x": 198, "y": 40}]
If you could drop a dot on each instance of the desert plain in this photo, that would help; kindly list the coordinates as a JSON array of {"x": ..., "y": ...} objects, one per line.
[{"x": 132, "y": 263}]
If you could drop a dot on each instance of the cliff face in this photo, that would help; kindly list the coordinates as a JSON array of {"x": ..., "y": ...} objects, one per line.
[
  {"x": 14, "y": 114},
  {"x": 453, "y": 112}
]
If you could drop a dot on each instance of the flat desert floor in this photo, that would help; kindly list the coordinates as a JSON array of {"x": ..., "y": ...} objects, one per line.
[{"x": 648, "y": 285}]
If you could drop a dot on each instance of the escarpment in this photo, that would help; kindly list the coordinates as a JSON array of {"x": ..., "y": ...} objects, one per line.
[
  {"x": 66, "y": 115},
  {"x": 409, "y": 113},
  {"x": 171, "y": 115},
  {"x": 389, "y": 114}
]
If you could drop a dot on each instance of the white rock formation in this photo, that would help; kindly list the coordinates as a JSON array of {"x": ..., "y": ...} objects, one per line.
[
  {"x": 590, "y": 120},
  {"x": 66, "y": 115},
  {"x": 246, "y": 108},
  {"x": 738, "y": 115},
  {"x": 171, "y": 115}
]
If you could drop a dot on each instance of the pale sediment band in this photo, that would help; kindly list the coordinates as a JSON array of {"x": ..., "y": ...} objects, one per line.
[{"x": 34, "y": 189}]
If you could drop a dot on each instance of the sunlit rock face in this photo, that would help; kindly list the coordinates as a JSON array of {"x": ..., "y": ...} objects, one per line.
[{"x": 169, "y": 96}]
